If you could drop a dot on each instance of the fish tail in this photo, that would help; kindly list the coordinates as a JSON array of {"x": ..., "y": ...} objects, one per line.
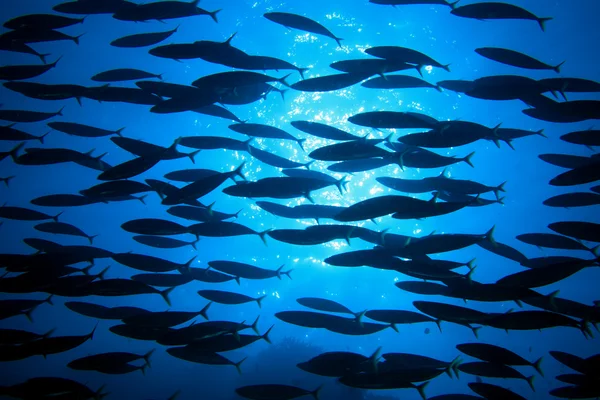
[
  {"x": 14, "y": 153},
  {"x": 142, "y": 198},
  {"x": 421, "y": 389},
  {"x": 265, "y": 336},
  {"x": 49, "y": 300},
  {"x": 175, "y": 395},
  {"x": 538, "y": 366},
  {"x": 118, "y": 132},
  {"x": 259, "y": 300},
  {"x": 288, "y": 272},
  {"x": 29, "y": 312},
  {"x": 530, "y": 382},
  {"x": 315, "y": 393},
  {"x": 301, "y": 71},
  {"x": 213, "y": 15},
  {"x": 204, "y": 311},
  {"x": 147, "y": 356},
  {"x": 7, "y": 180},
  {"x": 438, "y": 322},
  {"x": 49, "y": 333},
  {"x": 339, "y": 42},
  {"x": 557, "y": 68},
  {"x": 238, "y": 364},
  {"x": 282, "y": 93},
  {"x": 283, "y": 81},
  {"x": 308, "y": 164},
  {"x": 165, "y": 295},
  {"x": 76, "y": 39},
  {"x": 500, "y": 200},
  {"x": 541, "y": 133},
  {"x": 374, "y": 359},
  {"x": 467, "y": 159},
  {"x": 43, "y": 57},
  {"x": 91, "y": 238},
  {"x": 192, "y": 156},
  {"x": 238, "y": 171},
  {"x": 446, "y": 67},
  {"x": 263, "y": 235},
  {"x": 186, "y": 266},
  {"x": 41, "y": 138},
  {"x": 254, "y": 325},
  {"x": 55, "y": 218},
  {"x": 453, "y": 4},
  {"x": 301, "y": 143},
  {"x": 98, "y": 395},
  {"x": 542, "y": 23},
  {"x": 471, "y": 264}
]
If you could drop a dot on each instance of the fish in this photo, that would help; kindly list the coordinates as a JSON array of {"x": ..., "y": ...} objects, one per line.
[
  {"x": 553, "y": 241},
  {"x": 214, "y": 143},
  {"x": 274, "y": 160},
  {"x": 22, "y": 72},
  {"x": 144, "y": 149},
  {"x": 111, "y": 363},
  {"x": 370, "y": 67},
  {"x": 587, "y": 138},
  {"x": 123, "y": 74},
  {"x": 339, "y": 363},
  {"x": 578, "y": 230},
  {"x": 161, "y": 11},
  {"x": 93, "y": 7},
  {"x": 200, "y": 214},
  {"x": 278, "y": 188},
  {"x": 146, "y": 263},
  {"x": 311, "y": 211},
  {"x": 496, "y": 10},
  {"x": 142, "y": 39},
  {"x": 163, "y": 280},
  {"x": 499, "y": 355},
  {"x": 395, "y": 3},
  {"x": 392, "y": 120},
  {"x": 223, "y": 297},
  {"x": 327, "y": 305},
  {"x": 225, "y": 229},
  {"x": 125, "y": 287},
  {"x": 299, "y": 22},
  {"x": 398, "y": 82},
  {"x": 25, "y": 214},
  {"x": 202, "y": 357},
  {"x": 576, "y": 199},
  {"x": 351, "y": 150},
  {"x": 515, "y": 58},
  {"x": 329, "y": 83},
  {"x": 107, "y": 190},
  {"x": 27, "y": 116},
  {"x": 397, "y": 317},
  {"x": 265, "y": 131},
  {"x": 228, "y": 342},
  {"x": 33, "y": 34},
  {"x": 164, "y": 319},
  {"x": 323, "y": 131},
  {"x": 63, "y": 228},
  {"x": 42, "y": 21},
  {"x": 247, "y": 271},
  {"x": 97, "y": 311},
  {"x": 406, "y": 55}
]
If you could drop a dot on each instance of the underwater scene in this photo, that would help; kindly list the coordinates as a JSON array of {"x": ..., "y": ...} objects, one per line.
[{"x": 274, "y": 200}]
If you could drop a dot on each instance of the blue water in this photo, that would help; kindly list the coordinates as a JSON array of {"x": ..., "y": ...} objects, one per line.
[{"x": 571, "y": 36}]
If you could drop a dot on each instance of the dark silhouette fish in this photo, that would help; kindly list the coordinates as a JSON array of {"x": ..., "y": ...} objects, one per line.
[
  {"x": 21, "y": 72},
  {"x": 223, "y": 297},
  {"x": 142, "y": 39},
  {"x": 393, "y": 120},
  {"x": 330, "y": 83},
  {"x": 202, "y": 357},
  {"x": 498, "y": 355},
  {"x": 299, "y": 22},
  {"x": 76, "y": 129},
  {"x": 163, "y": 280},
  {"x": 25, "y": 214},
  {"x": 145, "y": 149},
  {"x": 162, "y": 10},
  {"x": 589, "y": 138},
  {"x": 93, "y": 6},
  {"x": 413, "y": 2},
  {"x": 214, "y": 143},
  {"x": 515, "y": 59},
  {"x": 265, "y": 131},
  {"x": 200, "y": 214},
  {"x": 323, "y": 131},
  {"x": 218, "y": 111},
  {"x": 496, "y": 10},
  {"x": 27, "y": 116},
  {"x": 406, "y": 55},
  {"x": 97, "y": 311},
  {"x": 339, "y": 363},
  {"x": 398, "y": 82},
  {"x": 370, "y": 67},
  {"x": 43, "y": 91},
  {"x": 579, "y": 230},
  {"x": 63, "y": 229},
  {"x": 274, "y": 160},
  {"x": 146, "y": 263},
  {"x": 225, "y": 229},
  {"x": 31, "y": 34},
  {"x": 577, "y": 199},
  {"x": 494, "y": 370},
  {"x": 123, "y": 74},
  {"x": 20, "y": 47},
  {"x": 246, "y": 271}
]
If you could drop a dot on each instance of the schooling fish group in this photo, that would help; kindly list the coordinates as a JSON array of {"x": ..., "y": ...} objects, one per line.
[{"x": 57, "y": 270}]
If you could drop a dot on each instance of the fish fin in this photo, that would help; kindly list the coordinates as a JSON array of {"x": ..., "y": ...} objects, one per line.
[
  {"x": 91, "y": 238},
  {"x": 238, "y": 171},
  {"x": 165, "y": 295},
  {"x": 530, "y": 382},
  {"x": 339, "y": 42},
  {"x": 538, "y": 367},
  {"x": 55, "y": 218},
  {"x": 228, "y": 41},
  {"x": 315, "y": 393},
  {"x": 147, "y": 356},
  {"x": 254, "y": 325},
  {"x": 283, "y": 81},
  {"x": 446, "y": 67},
  {"x": 301, "y": 144},
  {"x": 175, "y": 395},
  {"x": 471, "y": 264},
  {"x": 265, "y": 336},
  {"x": 7, "y": 180},
  {"x": 213, "y": 15},
  {"x": 238, "y": 364},
  {"x": 76, "y": 39},
  {"x": 204, "y": 311},
  {"x": 259, "y": 300},
  {"x": 467, "y": 159},
  {"x": 542, "y": 22},
  {"x": 421, "y": 389},
  {"x": 301, "y": 71},
  {"x": 453, "y": 4},
  {"x": 49, "y": 300},
  {"x": 14, "y": 153}
]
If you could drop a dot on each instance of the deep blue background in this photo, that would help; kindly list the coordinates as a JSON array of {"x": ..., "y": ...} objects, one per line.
[{"x": 571, "y": 36}]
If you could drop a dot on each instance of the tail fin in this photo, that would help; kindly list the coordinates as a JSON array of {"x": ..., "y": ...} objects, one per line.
[
  {"x": 557, "y": 68},
  {"x": 446, "y": 67},
  {"x": 254, "y": 325},
  {"x": 339, "y": 42},
  {"x": 530, "y": 382},
  {"x": 238, "y": 171},
  {"x": 489, "y": 235},
  {"x": 14, "y": 153},
  {"x": 421, "y": 389},
  {"x": 41, "y": 138},
  {"x": 265, "y": 336},
  {"x": 238, "y": 364},
  {"x": 192, "y": 155},
  {"x": 147, "y": 356},
  {"x": 263, "y": 235},
  {"x": 453, "y": 4},
  {"x": 204, "y": 311},
  {"x": 259, "y": 300},
  {"x": 499, "y": 188},
  {"x": 49, "y": 300},
  {"x": 301, "y": 71},
  {"x": 315, "y": 393},
  {"x": 7, "y": 180},
  {"x": 541, "y": 133},
  {"x": 55, "y": 218},
  {"x": 76, "y": 38},
  {"x": 165, "y": 295},
  {"x": 213, "y": 15},
  {"x": 301, "y": 144},
  {"x": 542, "y": 23},
  {"x": 283, "y": 81},
  {"x": 91, "y": 238},
  {"x": 467, "y": 159},
  {"x": 538, "y": 366}
]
